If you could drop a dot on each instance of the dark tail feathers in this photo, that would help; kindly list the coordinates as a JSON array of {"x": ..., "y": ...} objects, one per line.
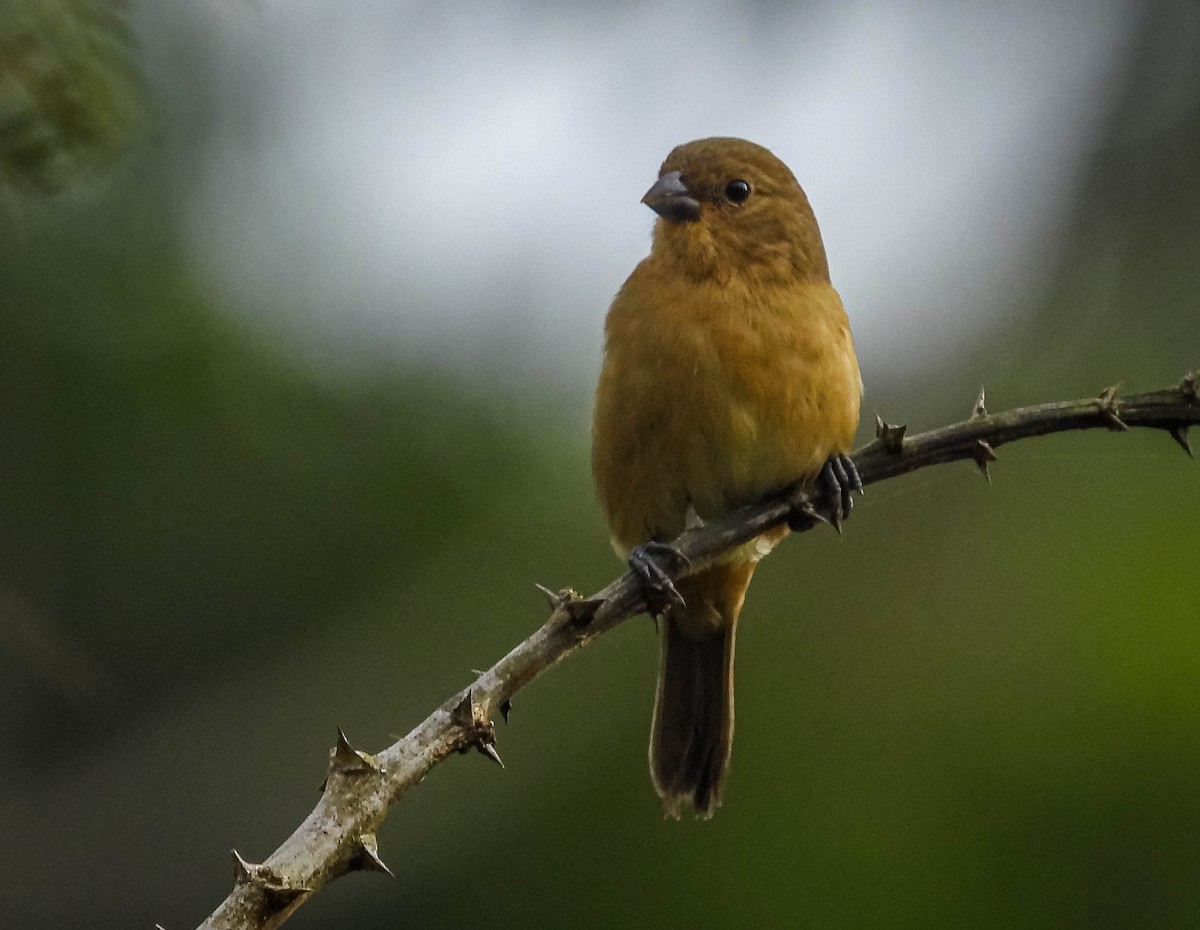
[{"x": 692, "y": 734}]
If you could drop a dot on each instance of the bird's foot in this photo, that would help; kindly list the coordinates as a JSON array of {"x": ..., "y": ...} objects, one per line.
[
  {"x": 836, "y": 483},
  {"x": 839, "y": 480},
  {"x": 651, "y": 563}
]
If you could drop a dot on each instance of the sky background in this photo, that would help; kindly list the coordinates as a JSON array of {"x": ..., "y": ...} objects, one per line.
[{"x": 460, "y": 186}]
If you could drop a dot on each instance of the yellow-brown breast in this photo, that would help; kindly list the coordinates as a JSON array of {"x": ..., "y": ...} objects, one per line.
[{"x": 711, "y": 397}]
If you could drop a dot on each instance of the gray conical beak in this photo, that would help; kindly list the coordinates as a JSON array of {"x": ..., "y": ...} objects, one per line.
[{"x": 670, "y": 199}]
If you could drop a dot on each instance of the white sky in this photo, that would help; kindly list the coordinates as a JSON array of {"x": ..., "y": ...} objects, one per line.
[{"x": 461, "y": 187}]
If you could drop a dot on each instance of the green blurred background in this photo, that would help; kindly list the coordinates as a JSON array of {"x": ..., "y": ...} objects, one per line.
[{"x": 979, "y": 709}]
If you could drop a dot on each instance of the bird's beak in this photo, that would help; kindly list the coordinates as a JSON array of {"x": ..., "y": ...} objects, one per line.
[{"x": 670, "y": 199}]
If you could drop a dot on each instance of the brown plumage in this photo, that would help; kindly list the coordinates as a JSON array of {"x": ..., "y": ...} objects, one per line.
[{"x": 729, "y": 373}]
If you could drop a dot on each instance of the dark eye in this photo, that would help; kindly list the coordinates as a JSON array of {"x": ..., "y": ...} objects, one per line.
[{"x": 737, "y": 190}]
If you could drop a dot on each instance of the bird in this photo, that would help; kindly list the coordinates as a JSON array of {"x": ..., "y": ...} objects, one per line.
[{"x": 729, "y": 374}]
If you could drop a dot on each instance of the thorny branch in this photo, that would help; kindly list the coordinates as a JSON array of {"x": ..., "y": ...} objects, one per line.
[{"x": 339, "y": 835}]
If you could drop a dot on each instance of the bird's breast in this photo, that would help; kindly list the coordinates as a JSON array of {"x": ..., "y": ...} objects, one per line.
[{"x": 711, "y": 397}]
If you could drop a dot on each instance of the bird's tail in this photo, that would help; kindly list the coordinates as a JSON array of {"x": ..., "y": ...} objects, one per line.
[{"x": 692, "y": 735}]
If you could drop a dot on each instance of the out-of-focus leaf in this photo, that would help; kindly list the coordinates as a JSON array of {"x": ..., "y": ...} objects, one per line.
[{"x": 71, "y": 97}]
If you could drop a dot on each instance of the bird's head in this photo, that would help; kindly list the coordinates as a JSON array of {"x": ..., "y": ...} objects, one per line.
[{"x": 730, "y": 209}]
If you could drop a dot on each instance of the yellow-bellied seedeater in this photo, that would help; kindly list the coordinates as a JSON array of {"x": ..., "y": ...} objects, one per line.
[{"x": 729, "y": 373}]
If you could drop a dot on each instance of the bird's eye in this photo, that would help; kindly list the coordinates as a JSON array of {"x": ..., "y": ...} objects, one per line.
[{"x": 737, "y": 191}]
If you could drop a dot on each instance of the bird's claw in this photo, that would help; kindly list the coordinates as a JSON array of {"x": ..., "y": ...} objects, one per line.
[
  {"x": 838, "y": 480},
  {"x": 647, "y": 563},
  {"x": 804, "y": 515}
]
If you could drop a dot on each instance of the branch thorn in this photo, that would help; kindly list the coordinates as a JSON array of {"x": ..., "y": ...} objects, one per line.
[
  {"x": 583, "y": 610},
  {"x": 464, "y": 711},
  {"x": 487, "y": 746},
  {"x": 480, "y": 732},
  {"x": 1109, "y": 407},
  {"x": 1179, "y": 432},
  {"x": 1189, "y": 385},
  {"x": 243, "y": 871},
  {"x": 980, "y": 409},
  {"x": 553, "y": 598},
  {"x": 579, "y": 609},
  {"x": 266, "y": 879},
  {"x": 890, "y": 435},
  {"x": 366, "y": 857},
  {"x": 984, "y": 453},
  {"x": 804, "y": 515},
  {"x": 344, "y": 759},
  {"x": 506, "y": 708}
]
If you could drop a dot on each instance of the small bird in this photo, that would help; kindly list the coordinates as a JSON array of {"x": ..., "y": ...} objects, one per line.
[{"x": 729, "y": 374}]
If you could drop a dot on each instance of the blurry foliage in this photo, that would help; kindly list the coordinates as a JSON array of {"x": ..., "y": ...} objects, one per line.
[
  {"x": 171, "y": 481},
  {"x": 979, "y": 709},
  {"x": 1124, "y": 301},
  {"x": 71, "y": 97}
]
